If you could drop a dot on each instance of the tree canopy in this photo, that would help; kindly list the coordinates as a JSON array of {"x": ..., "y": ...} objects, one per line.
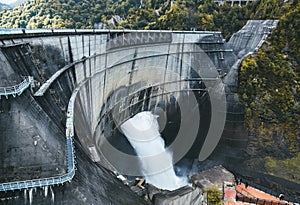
[
  {"x": 269, "y": 80},
  {"x": 130, "y": 14}
]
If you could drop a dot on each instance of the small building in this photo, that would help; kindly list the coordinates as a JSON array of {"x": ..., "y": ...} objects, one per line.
[
  {"x": 229, "y": 192},
  {"x": 214, "y": 177},
  {"x": 184, "y": 195}
]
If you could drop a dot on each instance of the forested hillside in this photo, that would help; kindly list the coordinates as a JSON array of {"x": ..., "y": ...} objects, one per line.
[
  {"x": 270, "y": 91},
  {"x": 136, "y": 14},
  {"x": 269, "y": 80}
]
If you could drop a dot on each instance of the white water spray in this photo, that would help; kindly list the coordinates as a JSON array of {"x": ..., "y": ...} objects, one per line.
[
  {"x": 30, "y": 195},
  {"x": 52, "y": 195},
  {"x": 46, "y": 191},
  {"x": 25, "y": 194},
  {"x": 142, "y": 131}
]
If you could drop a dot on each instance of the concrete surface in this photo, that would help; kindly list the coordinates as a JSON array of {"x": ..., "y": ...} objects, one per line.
[{"x": 149, "y": 67}]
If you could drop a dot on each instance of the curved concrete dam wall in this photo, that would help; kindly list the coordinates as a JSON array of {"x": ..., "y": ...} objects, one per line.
[
  {"x": 117, "y": 74},
  {"x": 137, "y": 78}
]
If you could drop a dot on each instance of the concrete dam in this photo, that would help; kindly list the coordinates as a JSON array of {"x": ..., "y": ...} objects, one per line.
[{"x": 64, "y": 94}]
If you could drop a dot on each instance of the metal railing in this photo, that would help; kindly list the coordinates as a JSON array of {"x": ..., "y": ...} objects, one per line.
[
  {"x": 18, "y": 185},
  {"x": 56, "y": 180},
  {"x": 33, "y": 183},
  {"x": 255, "y": 200},
  {"x": 17, "y": 89},
  {"x": 221, "y": 2},
  {"x": 288, "y": 199}
]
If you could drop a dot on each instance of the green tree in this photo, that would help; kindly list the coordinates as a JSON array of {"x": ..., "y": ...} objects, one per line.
[
  {"x": 174, "y": 19},
  {"x": 214, "y": 196}
]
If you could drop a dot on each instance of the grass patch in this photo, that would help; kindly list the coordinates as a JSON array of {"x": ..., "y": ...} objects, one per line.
[{"x": 288, "y": 168}]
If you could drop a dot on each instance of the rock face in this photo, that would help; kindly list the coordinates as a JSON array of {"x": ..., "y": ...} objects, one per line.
[{"x": 155, "y": 69}]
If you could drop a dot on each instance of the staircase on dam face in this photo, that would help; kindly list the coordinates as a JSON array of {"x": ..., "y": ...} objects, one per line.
[{"x": 17, "y": 89}]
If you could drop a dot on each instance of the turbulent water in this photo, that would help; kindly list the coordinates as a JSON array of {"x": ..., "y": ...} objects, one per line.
[{"x": 142, "y": 131}]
